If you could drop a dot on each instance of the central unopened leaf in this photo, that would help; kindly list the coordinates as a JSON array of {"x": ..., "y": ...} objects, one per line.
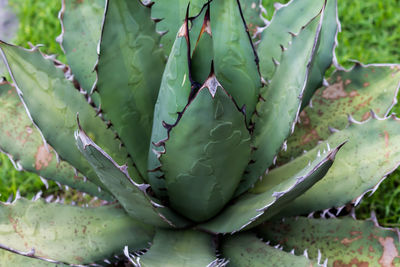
[{"x": 206, "y": 154}]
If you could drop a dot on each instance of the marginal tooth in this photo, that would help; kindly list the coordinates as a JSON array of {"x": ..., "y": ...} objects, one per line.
[
  {"x": 310, "y": 104},
  {"x": 107, "y": 261},
  {"x": 292, "y": 251},
  {"x": 284, "y": 146},
  {"x": 325, "y": 82},
  {"x": 276, "y": 63},
  {"x": 353, "y": 213},
  {"x": 339, "y": 210},
  {"x": 319, "y": 256},
  {"x": 44, "y": 181},
  {"x": 351, "y": 120},
  {"x": 59, "y": 185},
  {"x": 311, "y": 215},
  {"x": 328, "y": 147},
  {"x": 37, "y": 196},
  {"x": 373, "y": 115},
  {"x": 305, "y": 253},
  {"x": 319, "y": 154},
  {"x": 99, "y": 189},
  {"x": 49, "y": 198},
  {"x": 274, "y": 161},
  {"x": 374, "y": 219},
  {"x": 10, "y": 198},
  {"x": 333, "y": 130},
  {"x": 278, "y": 6},
  {"x": 17, "y": 195}
]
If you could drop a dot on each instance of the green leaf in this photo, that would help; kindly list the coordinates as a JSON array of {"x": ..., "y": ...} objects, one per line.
[
  {"x": 247, "y": 250},
  {"x": 3, "y": 69},
  {"x": 81, "y": 29},
  {"x": 271, "y": 196},
  {"x": 178, "y": 248},
  {"x": 253, "y": 15},
  {"x": 355, "y": 92},
  {"x": 286, "y": 19},
  {"x": 132, "y": 196},
  {"x": 275, "y": 120},
  {"x": 89, "y": 234},
  {"x": 54, "y": 103},
  {"x": 173, "y": 96},
  {"x": 235, "y": 59},
  {"x": 344, "y": 241},
  {"x": 13, "y": 259},
  {"x": 130, "y": 48},
  {"x": 324, "y": 56},
  {"x": 172, "y": 17},
  {"x": 22, "y": 142},
  {"x": 372, "y": 152},
  {"x": 201, "y": 45},
  {"x": 211, "y": 124}
]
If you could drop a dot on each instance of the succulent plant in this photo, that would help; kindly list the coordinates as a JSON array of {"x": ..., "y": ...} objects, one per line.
[{"x": 205, "y": 129}]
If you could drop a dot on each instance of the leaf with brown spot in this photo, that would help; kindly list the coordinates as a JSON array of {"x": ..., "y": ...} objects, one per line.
[
  {"x": 49, "y": 228},
  {"x": 24, "y": 145},
  {"x": 345, "y": 242},
  {"x": 331, "y": 105}
]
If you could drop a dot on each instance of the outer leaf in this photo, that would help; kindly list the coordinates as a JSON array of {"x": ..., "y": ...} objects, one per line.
[
  {"x": 355, "y": 92},
  {"x": 22, "y": 142},
  {"x": 171, "y": 17},
  {"x": 132, "y": 196},
  {"x": 253, "y": 15},
  {"x": 81, "y": 28},
  {"x": 179, "y": 248},
  {"x": 324, "y": 56},
  {"x": 129, "y": 74},
  {"x": 90, "y": 234},
  {"x": 372, "y": 152},
  {"x": 12, "y": 259},
  {"x": 236, "y": 63},
  {"x": 247, "y": 250},
  {"x": 274, "y": 121},
  {"x": 211, "y": 124},
  {"x": 286, "y": 20},
  {"x": 173, "y": 96},
  {"x": 54, "y": 103},
  {"x": 258, "y": 206},
  {"x": 345, "y": 242}
]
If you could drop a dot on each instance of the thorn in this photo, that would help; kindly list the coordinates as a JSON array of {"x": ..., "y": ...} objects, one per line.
[
  {"x": 319, "y": 257},
  {"x": 10, "y": 198},
  {"x": 49, "y": 198},
  {"x": 305, "y": 253},
  {"x": 37, "y": 196},
  {"x": 44, "y": 181},
  {"x": 17, "y": 195},
  {"x": 373, "y": 114},
  {"x": 276, "y": 63},
  {"x": 351, "y": 120},
  {"x": 333, "y": 130}
]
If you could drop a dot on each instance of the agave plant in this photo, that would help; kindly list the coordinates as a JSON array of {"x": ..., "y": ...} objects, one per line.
[{"x": 202, "y": 126}]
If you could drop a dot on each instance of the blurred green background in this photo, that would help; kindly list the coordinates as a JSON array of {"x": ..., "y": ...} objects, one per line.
[{"x": 370, "y": 34}]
